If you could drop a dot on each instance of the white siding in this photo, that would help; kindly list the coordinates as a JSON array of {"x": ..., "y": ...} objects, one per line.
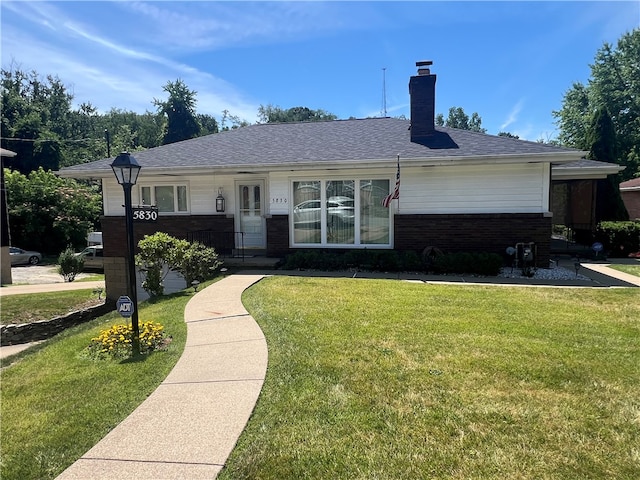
[
  {"x": 279, "y": 194},
  {"x": 474, "y": 189},
  {"x": 522, "y": 188},
  {"x": 114, "y": 197},
  {"x": 203, "y": 190}
]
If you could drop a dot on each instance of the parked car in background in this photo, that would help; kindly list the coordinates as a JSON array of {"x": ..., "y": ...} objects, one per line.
[
  {"x": 94, "y": 238},
  {"x": 24, "y": 257},
  {"x": 93, "y": 257},
  {"x": 339, "y": 210}
]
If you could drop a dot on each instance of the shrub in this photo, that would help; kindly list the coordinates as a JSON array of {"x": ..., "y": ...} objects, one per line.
[
  {"x": 153, "y": 277},
  {"x": 70, "y": 264},
  {"x": 469, "y": 263},
  {"x": 161, "y": 253},
  {"x": 116, "y": 341},
  {"x": 411, "y": 261},
  {"x": 155, "y": 260},
  {"x": 196, "y": 262},
  {"x": 392, "y": 261},
  {"x": 619, "y": 238}
]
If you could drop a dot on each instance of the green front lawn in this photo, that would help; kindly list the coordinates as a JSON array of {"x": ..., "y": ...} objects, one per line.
[
  {"x": 390, "y": 380},
  {"x": 375, "y": 379},
  {"x": 56, "y": 403}
]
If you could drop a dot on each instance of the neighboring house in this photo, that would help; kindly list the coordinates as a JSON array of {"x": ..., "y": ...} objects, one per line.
[
  {"x": 630, "y": 192},
  {"x": 320, "y": 185}
]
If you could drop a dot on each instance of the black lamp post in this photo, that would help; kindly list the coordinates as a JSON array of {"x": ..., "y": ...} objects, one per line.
[{"x": 126, "y": 170}]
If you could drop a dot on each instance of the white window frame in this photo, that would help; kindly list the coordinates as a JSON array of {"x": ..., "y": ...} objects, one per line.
[
  {"x": 152, "y": 188},
  {"x": 323, "y": 201}
]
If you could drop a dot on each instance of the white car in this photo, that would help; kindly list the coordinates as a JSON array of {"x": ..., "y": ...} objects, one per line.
[
  {"x": 24, "y": 257},
  {"x": 339, "y": 210},
  {"x": 93, "y": 257}
]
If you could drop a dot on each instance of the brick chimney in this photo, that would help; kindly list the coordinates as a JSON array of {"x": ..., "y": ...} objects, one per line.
[{"x": 422, "y": 90}]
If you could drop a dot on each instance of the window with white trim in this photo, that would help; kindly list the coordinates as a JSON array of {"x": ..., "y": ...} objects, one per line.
[
  {"x": 340, "y": 213},
  {"x": 168, "y": 198}
]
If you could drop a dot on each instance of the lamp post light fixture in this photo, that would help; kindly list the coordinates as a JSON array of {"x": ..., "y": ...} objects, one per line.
[
  {"x": 220, "y": 201},
  {"x": 126, "y": 169}
]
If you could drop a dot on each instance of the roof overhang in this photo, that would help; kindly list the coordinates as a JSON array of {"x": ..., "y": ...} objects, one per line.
[{"x": 585, "y": 170}]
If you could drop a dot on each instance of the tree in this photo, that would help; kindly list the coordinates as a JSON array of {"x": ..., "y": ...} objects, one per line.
[
  {"x": 179, "y": 109},
  {"x": 615, "y": 85},
  {"x": 274, "y": 114},
  {"x": 601, "y": 136},
  {"x": 208, "y": 124},
  {"x": 459, "y": 119},
  {"x": 508, "y": 135},
  {"x": 47, "y": 213},
  {"x": 34, "y": 119},
  {"x": 234, "y": 120}
]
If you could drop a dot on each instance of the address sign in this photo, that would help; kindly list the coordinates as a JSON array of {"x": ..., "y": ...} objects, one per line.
[{"x": 145, "y": 214}]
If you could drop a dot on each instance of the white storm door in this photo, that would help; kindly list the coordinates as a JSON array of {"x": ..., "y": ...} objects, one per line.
[{"x": 251, "y": 219}]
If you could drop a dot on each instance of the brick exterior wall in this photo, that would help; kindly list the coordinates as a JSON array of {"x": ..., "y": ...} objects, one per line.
[
  {"x": 278, "y": 236},
  {"x": 451, "y": 233},
  {"x": 631, "y": 200},
  {"x": 474, "y": 233}
]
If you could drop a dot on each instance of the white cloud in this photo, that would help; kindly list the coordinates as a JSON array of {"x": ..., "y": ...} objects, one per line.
[
  {"x": 215, "y": 25},
  {"x": 107, "y": 72},
  {"x": 513, "y": 114}
]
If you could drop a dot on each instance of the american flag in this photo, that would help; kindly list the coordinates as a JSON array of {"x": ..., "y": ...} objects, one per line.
[{"x": 396, "y": 191}]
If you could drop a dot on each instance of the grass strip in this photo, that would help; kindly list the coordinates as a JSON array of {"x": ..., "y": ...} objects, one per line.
[
  {"x": 56, "y": 403},
  {"x": 385, "y": 379},
  {"x": 630, "y": 269},
  {"x": 28, "y": 307}
]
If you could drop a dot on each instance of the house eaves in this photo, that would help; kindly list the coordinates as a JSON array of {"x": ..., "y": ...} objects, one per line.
[{"x": 584, "y": 169}]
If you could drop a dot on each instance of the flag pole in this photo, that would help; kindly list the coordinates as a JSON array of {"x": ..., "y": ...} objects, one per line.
[{"x": 398, "y": 178}]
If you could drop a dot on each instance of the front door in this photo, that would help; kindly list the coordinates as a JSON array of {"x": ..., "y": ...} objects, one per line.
[{"x": 251, "y": 214}]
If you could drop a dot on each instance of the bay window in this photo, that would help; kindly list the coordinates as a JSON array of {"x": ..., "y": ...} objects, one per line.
[{"x": 341, "y": 212}]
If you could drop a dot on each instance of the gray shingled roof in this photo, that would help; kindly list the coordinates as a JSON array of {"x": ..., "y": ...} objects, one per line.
[{"x": 315, "y": 143}]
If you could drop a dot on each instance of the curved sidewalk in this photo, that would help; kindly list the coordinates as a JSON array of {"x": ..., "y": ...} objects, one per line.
[{"x": 188, "y": 426}]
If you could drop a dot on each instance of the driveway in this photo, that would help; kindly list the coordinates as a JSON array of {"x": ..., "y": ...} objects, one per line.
[
  {"x": 44, "y": 278},
  {"x": 36, "y": 274}
]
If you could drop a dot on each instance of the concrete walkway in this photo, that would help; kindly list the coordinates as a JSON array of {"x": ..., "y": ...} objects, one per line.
[
  {"x": 49, "y": 287},
  {"x": 188, "y": 426}
]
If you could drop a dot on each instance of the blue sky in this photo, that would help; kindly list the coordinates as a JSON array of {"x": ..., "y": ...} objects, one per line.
[{"x": 509, "y": 61}]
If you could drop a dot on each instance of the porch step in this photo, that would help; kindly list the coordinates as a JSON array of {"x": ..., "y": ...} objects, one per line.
[
  {"x": 248, "y": 252},
  {"x": 250, "y": 261}
]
